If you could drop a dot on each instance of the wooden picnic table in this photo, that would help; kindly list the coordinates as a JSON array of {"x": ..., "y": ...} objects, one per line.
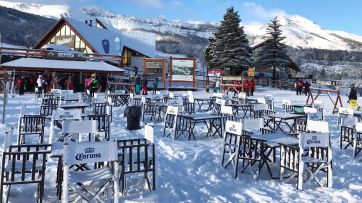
[
  {"x": 245, "y": 108},
  {"x": 119, "y": 99},
  {"x": 272, "y": 143},
  {"x": 201, "y": 101},
  {"x": 187, "y": 123},
  {"x": 74, "y": 105},
  {"x": 284, "y": 118}
]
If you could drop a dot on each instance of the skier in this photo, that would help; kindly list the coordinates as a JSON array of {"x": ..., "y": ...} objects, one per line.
[{"x": 352, "y": 98}]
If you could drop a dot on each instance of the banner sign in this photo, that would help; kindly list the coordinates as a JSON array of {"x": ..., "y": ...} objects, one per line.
[
  {"x": 314, "y": 140},
  {"x": 71, "y": 114},
  {"x": 68, "y": 41},
  {"x": 234, "y": 127},
  {"x": 182, "y": 70},
  {"x": 172, "y": 110},
  {"x": 90, "y": 152},
  {"x": 105, "y": 44},
  {"x": 154, "y": 68},
  {"x": 65, "y": 55}
]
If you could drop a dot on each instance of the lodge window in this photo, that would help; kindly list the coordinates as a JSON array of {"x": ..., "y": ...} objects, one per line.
[
  {"x": 79, "y": 44},
  {"x": 126, "y": 57}
]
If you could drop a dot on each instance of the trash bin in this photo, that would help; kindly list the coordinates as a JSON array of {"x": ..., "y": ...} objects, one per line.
[{"x": 133, "y": 114}]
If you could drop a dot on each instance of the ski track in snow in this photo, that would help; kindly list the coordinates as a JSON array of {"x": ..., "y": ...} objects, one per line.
[{"x": 191, "y": 171}]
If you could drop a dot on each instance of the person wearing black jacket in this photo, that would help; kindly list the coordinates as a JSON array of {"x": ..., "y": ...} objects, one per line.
[
  {"x": 352, "y": 98},
  {"x": 306, "y": 88}
]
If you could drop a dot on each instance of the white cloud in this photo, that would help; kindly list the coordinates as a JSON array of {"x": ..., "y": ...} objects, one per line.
[
  {"x": 42, "y": 1},
  {"x": 261, "y": 13},
  {"x": 149, "y": 3},
  {"x": 55, "y": 2},
  {"x": 176, "y": 3}
]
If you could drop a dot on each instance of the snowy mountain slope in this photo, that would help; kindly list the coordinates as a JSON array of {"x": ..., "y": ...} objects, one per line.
[{"x": 300, "y": 32}]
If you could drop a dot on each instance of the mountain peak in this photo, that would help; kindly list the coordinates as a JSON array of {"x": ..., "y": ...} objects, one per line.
[{"x": 299, "y": 31}]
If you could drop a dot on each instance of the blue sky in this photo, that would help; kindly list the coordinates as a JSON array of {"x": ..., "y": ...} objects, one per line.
[{"x": 343, "y": 15}]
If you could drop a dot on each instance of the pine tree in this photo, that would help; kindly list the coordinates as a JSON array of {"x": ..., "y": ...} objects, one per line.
[
  {"x": 208, "y": 53},
  {"x": 273, "y": 53},
  {"x": 231, "y": 48}
]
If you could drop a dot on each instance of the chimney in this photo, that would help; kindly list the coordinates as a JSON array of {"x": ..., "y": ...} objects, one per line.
[{"x": 90, "y": 23}]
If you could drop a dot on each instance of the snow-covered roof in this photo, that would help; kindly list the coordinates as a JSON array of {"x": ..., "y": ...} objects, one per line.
[
  {"x": 95, "y": 36},
  {"x": 60, "y": 65}
]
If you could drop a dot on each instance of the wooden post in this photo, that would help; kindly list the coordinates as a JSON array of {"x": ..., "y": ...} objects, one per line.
[
  {"x": 193, "y": 74},
  {"x": 170, "y": 73},
  {"x": 164, "y": 72}
]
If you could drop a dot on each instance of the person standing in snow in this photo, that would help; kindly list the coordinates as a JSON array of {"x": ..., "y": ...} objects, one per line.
[
  {"x": 144, "y": 86},
  {"x": 138, "y": 85},
  {"x": 352, "y": 98},
  {"x": 306, "y": 87},
  {"x": 247, "y": 87},
  {"x": 87, "y": 82},
  {"x": 252, "y": 87},
  {"x": 39, "y": 83},
  {"x": 22, "y": 85},
  {"x": 217, "y": 86},
  {"x": 155, "y": 85},
  {"x": 299, "y": 87},
  {"x": 69, "y": 83},
  {"x": 93, "y": 86}
]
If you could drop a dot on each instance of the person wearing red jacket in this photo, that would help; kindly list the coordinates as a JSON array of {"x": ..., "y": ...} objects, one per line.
[
  {"x": 252, "y": 87},
  {"x": 247, "y": 87}
]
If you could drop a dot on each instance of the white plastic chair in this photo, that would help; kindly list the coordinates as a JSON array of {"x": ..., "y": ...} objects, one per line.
[
  {"x": 261, "y": 100},
  {"x": 79, "y": 153},
  {"x": 357, "y": 141},
  {"x": 76, "y": 129},
  {"x": 343, "y": 113},
  {"x": 315, "y": 155},
  {"x": 170, "y": 120},
  {"x": 286, "y": 105},
  {"x": 62, "y": 115}
]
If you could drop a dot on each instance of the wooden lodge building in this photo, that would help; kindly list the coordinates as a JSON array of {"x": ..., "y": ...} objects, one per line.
[
  {"x": 293, "y": 68},
  {"x": 93, "y": 37},
  {"x": 89, "y": 47}
]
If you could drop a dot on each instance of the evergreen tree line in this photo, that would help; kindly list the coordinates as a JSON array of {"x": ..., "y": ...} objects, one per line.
[
  {"x": 324, "y": 55},
  {"x": 19, "y": 28},
  {"x": 229, "y": 47}
]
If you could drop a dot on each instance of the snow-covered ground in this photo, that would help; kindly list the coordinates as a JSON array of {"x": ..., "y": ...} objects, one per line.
[{"x": 191, "y": 171}]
